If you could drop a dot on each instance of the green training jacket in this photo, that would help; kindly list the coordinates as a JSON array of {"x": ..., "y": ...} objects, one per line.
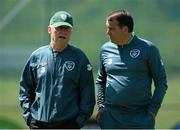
[
  {"x": 125, "y": 76},
  {"x": 56, "y": 86}
]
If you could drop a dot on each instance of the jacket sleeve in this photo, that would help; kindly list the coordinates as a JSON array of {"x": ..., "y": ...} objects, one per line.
[
  {"x": 158, "y": 74},
  {"x": 26, "y": 93},
  {"x": 101, "y": 83},
  {"x": 86, "y": 93}
]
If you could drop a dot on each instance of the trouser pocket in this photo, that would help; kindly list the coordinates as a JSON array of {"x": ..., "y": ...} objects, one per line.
[{"x": 144, "y": 120}]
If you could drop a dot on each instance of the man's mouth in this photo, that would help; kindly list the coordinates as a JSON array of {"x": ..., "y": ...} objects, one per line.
[{"x": 62, "y": 37}]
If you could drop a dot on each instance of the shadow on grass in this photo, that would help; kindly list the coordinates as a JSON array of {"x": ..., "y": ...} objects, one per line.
[{"x": 6, "y": 123}]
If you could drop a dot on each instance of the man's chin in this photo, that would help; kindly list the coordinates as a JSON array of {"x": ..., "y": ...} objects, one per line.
[{"x": 113, "y": 41}]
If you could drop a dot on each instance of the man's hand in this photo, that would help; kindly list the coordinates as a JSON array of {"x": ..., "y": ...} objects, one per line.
[{"x": 98, "y": 116}]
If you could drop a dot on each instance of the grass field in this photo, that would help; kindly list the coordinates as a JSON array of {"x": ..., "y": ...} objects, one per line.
[{"x": 11, "y": 113}]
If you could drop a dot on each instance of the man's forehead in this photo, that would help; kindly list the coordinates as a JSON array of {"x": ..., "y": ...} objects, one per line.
[{"x": 111, "y": 20}]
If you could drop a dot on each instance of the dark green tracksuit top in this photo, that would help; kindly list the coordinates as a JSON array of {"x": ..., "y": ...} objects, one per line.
[
  {"x": 56, "y": 86},
  {"x": 125, "y": 77}
]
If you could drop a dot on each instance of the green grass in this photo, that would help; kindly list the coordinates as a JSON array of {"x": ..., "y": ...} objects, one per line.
[
  {"x": 89, "y": 24},
  {"x": 11, "y": 113},
  {"x": 169, "y": 113},
  {"x": 8, "y": 123}
]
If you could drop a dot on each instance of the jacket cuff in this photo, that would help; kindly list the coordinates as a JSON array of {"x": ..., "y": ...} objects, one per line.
[{"x": 28, "y": 120}]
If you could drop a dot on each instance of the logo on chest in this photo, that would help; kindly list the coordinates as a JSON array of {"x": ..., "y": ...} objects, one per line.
[
  {"x": 69, "y": 65},
  {"x": 42, "y": 67},
  {"x": 134, "y": 53}
]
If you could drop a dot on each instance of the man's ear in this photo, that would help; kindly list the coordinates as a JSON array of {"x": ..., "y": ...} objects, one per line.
[
  {"x": 49, "y": 29},
  {"x": 125, "y": 29}
]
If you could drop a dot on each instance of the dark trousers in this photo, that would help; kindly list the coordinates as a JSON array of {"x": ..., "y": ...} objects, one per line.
[
  {"x": 67, "y": 124},
  {"x": 118, "y": 120}
]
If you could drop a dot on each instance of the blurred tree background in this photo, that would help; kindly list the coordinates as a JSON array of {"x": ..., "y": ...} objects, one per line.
[{"x": 23, "y": 28}]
